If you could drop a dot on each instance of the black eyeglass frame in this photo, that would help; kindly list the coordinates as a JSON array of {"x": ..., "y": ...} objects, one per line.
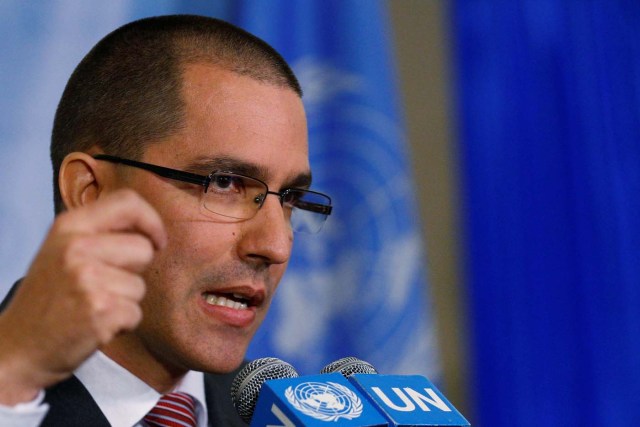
[{"x": 204, "y": 181}]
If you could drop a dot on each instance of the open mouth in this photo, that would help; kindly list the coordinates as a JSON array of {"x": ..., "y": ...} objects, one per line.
[{"x": 230, "y": 300}]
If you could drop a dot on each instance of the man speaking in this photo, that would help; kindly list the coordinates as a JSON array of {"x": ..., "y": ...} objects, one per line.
[{"x": 181, "y": 172}]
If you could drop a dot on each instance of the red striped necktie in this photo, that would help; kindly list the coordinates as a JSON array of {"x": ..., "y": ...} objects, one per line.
[{"x": 173, "y": 410}]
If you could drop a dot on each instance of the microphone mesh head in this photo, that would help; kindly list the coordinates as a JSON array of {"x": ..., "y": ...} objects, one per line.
[
  {"x": 348, "y": 366},
  {"x": 247, "y": 384}
]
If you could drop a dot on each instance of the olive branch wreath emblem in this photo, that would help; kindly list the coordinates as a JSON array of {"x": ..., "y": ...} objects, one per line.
[{"x": 354, "y": 412}]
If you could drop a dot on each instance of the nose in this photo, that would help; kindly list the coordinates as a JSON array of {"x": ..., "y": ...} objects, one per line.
[{"x": 267, "y": 237}]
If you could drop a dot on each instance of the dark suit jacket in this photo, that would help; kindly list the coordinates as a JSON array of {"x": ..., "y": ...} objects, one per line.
[{"x": 71, "y": 405}]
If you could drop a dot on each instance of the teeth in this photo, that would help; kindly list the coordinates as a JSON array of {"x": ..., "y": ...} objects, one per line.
[{"x": 226, "y": 302}]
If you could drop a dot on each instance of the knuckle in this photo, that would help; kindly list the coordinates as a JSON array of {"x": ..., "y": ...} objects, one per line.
[
  {"x": 139, "y": 288},
  {"x": 98, "y": 304},
  {"x": 76, "y": 247},
  {"x": 121, "y": 315},
  {"x": 134, "y": 316},
  {"x": 146, "y": 250},
  {"x": 104, "y": 335},
  {"x": 63, "y": 222},
  {"x": 141, "y": 255},
  {"x": 59, "y": 225},
  {"x": 99, "y": 310},
  {"x": 128, "y": 196},
  {"x": 83, "y": 275},
  {"x": 64, "y": 218}
]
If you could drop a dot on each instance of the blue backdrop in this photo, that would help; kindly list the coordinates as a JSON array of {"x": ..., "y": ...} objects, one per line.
[
  {"x": 358, "y": 287},
  {"x": 549, "y": 115}
]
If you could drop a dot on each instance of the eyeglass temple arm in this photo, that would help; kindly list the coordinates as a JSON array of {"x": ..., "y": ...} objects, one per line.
[
  {"x": 314, "y": 207},
  {"x": 183, "y": 176}
]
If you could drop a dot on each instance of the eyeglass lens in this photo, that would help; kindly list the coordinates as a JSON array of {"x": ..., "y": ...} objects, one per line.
[{"x": 240, "y": 197}]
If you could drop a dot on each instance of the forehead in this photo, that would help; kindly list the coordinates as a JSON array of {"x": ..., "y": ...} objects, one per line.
[{"x": 227, "y": 115}]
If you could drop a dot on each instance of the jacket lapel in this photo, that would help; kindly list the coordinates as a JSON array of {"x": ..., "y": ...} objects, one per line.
[
  {"x": 71, "y": 405},
  {"x": 217, "y": 390}
]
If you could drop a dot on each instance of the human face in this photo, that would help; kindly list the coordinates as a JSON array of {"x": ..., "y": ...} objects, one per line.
[{"x": 250, "y": 127}]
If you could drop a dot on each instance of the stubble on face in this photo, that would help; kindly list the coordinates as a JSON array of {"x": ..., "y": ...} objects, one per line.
[{"x": 229, "y": 116}]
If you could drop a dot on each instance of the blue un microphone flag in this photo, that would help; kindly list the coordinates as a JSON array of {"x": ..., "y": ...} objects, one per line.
[
  {"x": 316, "y": 400},
  {"x": 349, "y": 392},
  {"x": 359, "y": 286},
  {"x": 408, "y": 400},
  {"x": 362, "y": 400}
]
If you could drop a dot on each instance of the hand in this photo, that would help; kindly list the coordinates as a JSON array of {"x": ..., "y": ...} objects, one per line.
[{"x": 83, "y": 288}]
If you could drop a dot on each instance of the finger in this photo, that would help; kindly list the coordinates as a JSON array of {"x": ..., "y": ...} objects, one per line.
[
  {"x": 122, "y": 210},
  {"x": 123, "y": 315},
  {"x": 130, "y": 251},
  {"x": 115, "y": 282}
]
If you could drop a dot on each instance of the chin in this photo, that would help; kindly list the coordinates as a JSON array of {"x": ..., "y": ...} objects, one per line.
[
  {"x": 226, "y": 368},
  {"x": 216, "y": 361}
]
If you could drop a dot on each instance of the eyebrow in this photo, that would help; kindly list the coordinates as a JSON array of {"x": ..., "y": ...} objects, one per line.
[{"x": 230, "y": 164}]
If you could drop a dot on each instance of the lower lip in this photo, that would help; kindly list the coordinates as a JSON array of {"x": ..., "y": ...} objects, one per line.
[{"x": 230, "y": 316}]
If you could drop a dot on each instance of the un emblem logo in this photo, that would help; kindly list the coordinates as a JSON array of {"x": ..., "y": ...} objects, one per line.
[{"x": 324, "y": 401}]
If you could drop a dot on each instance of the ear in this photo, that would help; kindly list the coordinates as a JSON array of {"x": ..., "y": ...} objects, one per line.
[{"x": 80, "y": 180}]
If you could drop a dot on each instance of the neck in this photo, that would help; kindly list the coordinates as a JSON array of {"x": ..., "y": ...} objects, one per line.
[{"x": 127, "y": 351}]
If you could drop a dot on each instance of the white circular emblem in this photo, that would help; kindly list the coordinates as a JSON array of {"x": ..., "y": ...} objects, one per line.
[{"x": 325, "y": 401}]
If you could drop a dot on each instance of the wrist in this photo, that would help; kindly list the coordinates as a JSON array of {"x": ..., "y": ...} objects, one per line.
[
  {"x": 13, "y": 389},
  {"x": 17, "y": 384}
]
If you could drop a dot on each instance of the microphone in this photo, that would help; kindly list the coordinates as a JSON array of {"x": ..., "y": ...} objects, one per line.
[
  {"x": 404, "y": 400},
  {"x": 246, "y": 386},
  {"x": 269, "y": 392},
  {"x": 348, "y": 366}
]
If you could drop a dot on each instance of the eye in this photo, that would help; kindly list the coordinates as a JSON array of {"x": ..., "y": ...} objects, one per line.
[
  {"x": 291, "y": 197},
  {"x": 227, "y": 183}
]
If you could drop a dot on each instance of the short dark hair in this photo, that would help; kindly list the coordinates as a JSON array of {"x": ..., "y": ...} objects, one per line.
[{"x": 126, "y": 92}]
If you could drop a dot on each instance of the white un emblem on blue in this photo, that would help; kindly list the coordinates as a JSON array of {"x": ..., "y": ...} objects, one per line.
[{"x": 325, "y": 401}]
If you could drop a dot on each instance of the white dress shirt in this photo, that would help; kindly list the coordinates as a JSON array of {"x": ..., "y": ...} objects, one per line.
[
  {"x": 122, "y": 397},
  {"x": 28, "y": 414}
]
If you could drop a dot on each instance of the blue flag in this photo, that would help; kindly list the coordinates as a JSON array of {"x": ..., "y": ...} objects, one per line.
[
  {"x": 359, "y": 287},
  {"x": 40, "y": 45}
]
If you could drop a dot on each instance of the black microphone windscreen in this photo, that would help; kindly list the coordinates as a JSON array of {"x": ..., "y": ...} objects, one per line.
[
  {"x": 246, "y": 386},
  {"x": 348, "y": 366}
]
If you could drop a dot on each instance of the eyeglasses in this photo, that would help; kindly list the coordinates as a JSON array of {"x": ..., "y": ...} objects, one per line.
[{"x": 239, "y": 197}]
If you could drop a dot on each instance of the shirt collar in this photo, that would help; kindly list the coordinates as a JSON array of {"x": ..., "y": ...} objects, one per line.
[{"x": 125, "y": 399}]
